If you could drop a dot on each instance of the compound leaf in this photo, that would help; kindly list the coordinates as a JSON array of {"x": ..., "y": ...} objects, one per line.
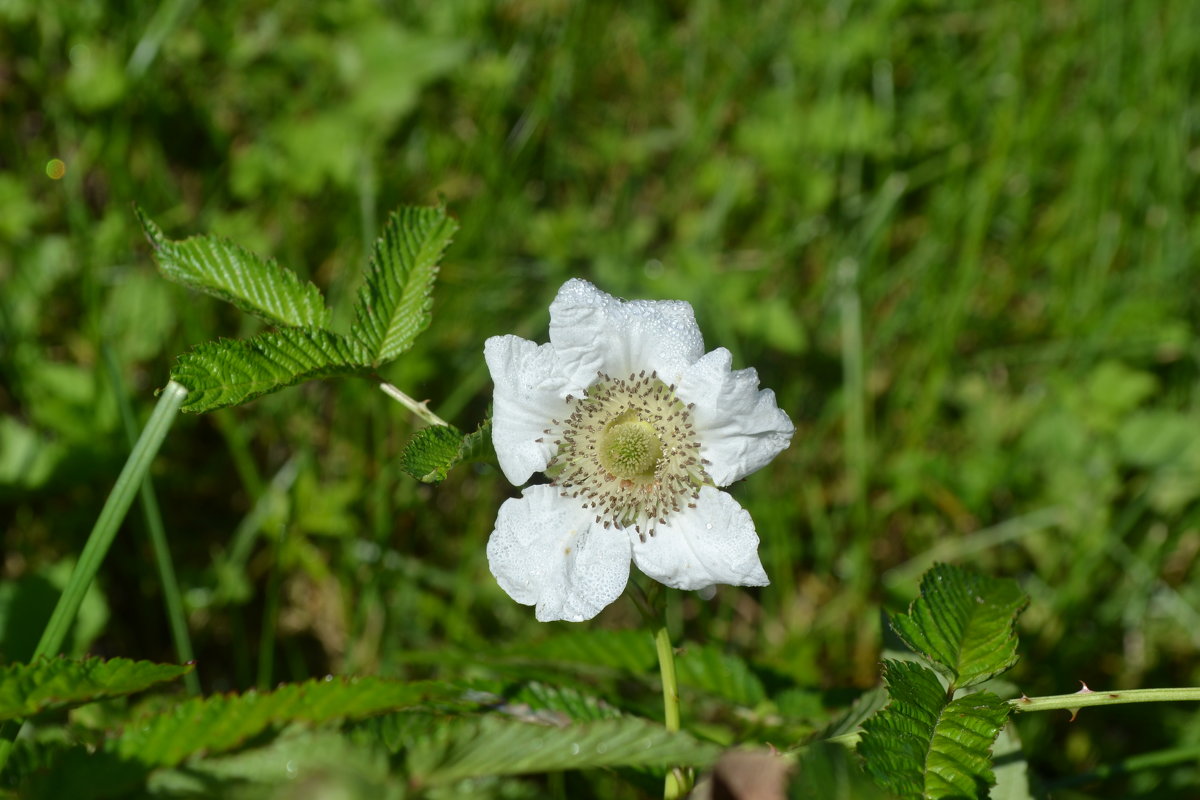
[
  {"x": 924, "y": 746},
  {"x": 228, "y": 372},
  {"x": 222, "y": 722},
  {"x": 466, "y": 748},
  {"x": 223, "y": 269},
  {"x": 393, "y": 306},
  {"x": 26, "y": 689},
  {"x": 963, "y": 622}
]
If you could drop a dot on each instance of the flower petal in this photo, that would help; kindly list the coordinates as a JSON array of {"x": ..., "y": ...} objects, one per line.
[
  {"x": 739, "y": 427},
  {"x": 547, "y": 550},
  {"x": 592, "y": 331},
  {"x": 712, "y": 543},
  {"x": 530, "y": 392}
]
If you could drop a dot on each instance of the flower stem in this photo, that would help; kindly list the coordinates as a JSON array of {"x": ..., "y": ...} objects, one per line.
[
  {"x": 102, "y": 535},
  {"x": 421, "y": 409},
  {"x": 677, "y": 783},
  {"x": 1088, "y": 697}
]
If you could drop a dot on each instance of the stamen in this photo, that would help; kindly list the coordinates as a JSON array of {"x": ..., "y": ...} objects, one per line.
[{"x": 628, "y": 448}]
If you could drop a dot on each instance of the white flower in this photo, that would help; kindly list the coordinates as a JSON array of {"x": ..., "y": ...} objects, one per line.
[{"x": 636, "y": 426}]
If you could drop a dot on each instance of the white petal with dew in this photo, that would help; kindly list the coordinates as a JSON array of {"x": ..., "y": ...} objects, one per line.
[
  {"x": 739, "y": 426},
  {"x": 592, "y": 331},
  {"x": 714, "y": 542},
  {"x": 547, "y": 550},
  {"x": 530, "y": 392}
]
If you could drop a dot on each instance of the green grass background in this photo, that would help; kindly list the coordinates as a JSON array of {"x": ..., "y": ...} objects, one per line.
[{"x": 958, "y": 240}]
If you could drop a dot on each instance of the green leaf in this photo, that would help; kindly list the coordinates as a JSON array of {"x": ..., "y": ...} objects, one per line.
[
  {"x": 630, "y": 650},
  {"x": 26, "y": 689},
  {"x": 712, "y": 670},
  {"x": 922, "y": 746},
  {"x": 232, "y": 371},
  {"x": 851, "y": 720},
  {"x": 323, "y": 758},
  {"x": 538, "y": 701},
  {"x": 215, "y": 725},
  {"x": 222, "y": 269},
  {"x": 393, "y": 306},
  {"x": 963, "y": 622},
  {"x": 222, "y": 722},
  {"x": 432, "y": 452},
  {"x": 499, "y": 746}
]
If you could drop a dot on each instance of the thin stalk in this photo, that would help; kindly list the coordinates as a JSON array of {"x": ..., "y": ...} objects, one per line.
[
  {"x": 158, "y": 537},
  {"x": 1086, "y": 697},
  {"x": 102, "y": 535},
  {"x": 677, "y": 783},
  {"x": 854, "y": 382},
  {"x": 239, "y": 451},
  {"x": 266, "y": 644},
  {"x": 421, "y": 409},
  {"x": 854, "y": 435},
  {"x": 109, "y": 521}
]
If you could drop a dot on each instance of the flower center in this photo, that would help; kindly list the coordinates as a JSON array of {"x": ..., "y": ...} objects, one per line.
[{"x": 629, "y": 449}]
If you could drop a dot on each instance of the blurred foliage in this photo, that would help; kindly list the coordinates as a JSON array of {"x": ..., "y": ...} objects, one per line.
[{"x": 957, "y": 239}]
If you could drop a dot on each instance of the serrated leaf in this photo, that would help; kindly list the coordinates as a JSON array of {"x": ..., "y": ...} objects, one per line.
[
  {"x": 232, "y": 371},
  {"x": 432, "y": 452},
  {"x": 723, "y": 674},
  {"x": 27, "y": 689},
  {"x": 631, "y": 651},
  {"x": 541, "y": 702},
  {"x": 964, "y": 623},
  {"x": 499, "y": 746},
  {"x": 922, "y": 746},
  {"x": 328, "y": 758},
  {"x": 393, "y": 306},
  {"x": 222, "y": 722},
  {"x": 222, "y": 269}
]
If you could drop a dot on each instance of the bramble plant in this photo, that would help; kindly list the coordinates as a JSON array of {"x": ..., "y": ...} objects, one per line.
[{"x": 640, "y": 434}]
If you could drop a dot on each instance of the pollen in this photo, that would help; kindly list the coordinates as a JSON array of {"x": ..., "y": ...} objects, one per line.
[{"x": 629, "y": 450}]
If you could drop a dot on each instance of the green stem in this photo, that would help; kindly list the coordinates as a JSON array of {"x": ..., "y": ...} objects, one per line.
[
  {"x": 158, "y": 537},
  {"x": 677, "y": 783},
  {"x": 666, "y": 664},
  {"x": 110, "y": 519},
  {"x": 266, "y": 644},
  {"x": 1086, "y": 697},
  {"x": 421, "y": 409},
  {"x": 102, "y": 535}
]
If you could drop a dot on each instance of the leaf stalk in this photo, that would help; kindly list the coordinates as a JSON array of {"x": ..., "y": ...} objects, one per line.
[{"x": 421, "y": 409}]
